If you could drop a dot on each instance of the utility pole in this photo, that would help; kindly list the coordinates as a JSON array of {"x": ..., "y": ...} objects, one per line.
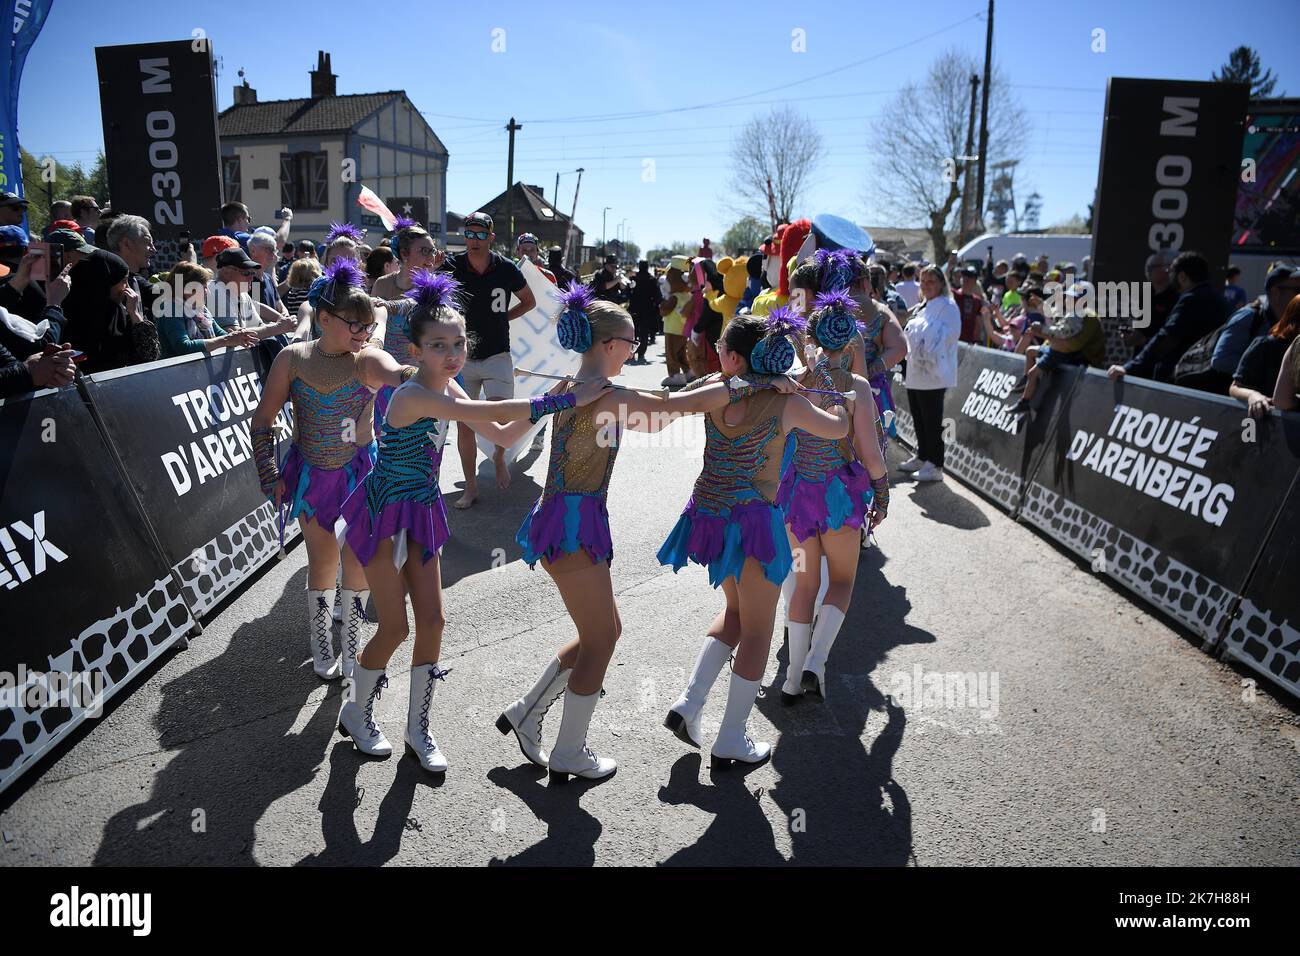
[
  {"x": 964, "y": 233},
  {"x": 604, "y": 250},
  {"x": 771, "y": 204},
  {"x": 568, "y": 233},
  {"x": 511, "y": 127},
  {"x": 984, "y": 115}
]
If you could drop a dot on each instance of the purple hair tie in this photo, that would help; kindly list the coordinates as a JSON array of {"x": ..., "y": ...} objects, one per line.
[{"x": 433, "y": 290}]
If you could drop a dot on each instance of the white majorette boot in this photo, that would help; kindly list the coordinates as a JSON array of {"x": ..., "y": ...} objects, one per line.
[
  {"x": 823, "y": 636},
  {"x": 350, "y": 634},
  {"x": 787, "y": 595},
  {"x": 419, "y": 742},
  {"x": 733, "y": 744},
  {"x": 684, "y": 716},
  {"x": 357, "y": 716},
  {"x": 321, "y": 638},
  {"x": 524, "y": 716},
  {"x": 800, "y": 641},
  {"x": 571, "y": 756}
]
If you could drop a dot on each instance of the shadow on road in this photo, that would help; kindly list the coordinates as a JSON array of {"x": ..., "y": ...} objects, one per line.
[
  {"x": 232, "y": 778},
  {"x": 485, "y": 533},
  {"x": 841, "y": 800},
  {"x": 939, "y": 503},
  {"x": 571, "y": 832},
  {"x": 740, "y": 834}
]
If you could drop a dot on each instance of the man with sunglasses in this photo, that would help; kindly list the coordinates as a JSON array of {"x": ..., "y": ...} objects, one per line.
[
  {"x": 231, "y": 304},
  {"x": 487, "y": 281}
]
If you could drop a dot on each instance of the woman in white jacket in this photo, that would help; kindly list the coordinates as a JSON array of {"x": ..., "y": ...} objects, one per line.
[{"x": 932, "y": 335}]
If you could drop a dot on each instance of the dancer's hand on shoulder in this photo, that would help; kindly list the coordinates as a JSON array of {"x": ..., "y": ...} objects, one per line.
[{"x": 591, "y": 390}]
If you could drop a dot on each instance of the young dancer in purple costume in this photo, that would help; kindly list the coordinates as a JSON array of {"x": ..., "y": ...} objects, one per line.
[
  {"x": 568, "y": 529},
  {"x": 397, "y": 524},
  {"x": 732, "y": 526},
  {"x": 828, "y": 489},
  {"x": 331, "y": 382},
  {"x": 414, "y": 249}
]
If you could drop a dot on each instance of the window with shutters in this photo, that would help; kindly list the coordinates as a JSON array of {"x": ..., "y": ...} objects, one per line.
[
  {"x": 304, "y": 182},
  {"x": 230, "y": 178}
]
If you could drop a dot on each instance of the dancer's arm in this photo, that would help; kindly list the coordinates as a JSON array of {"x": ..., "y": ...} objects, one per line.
[
  {"x": 640, "y": 412},
  {"x": 275, "y": 392},
  {"x": 801, "y": 413},
  {"x": 501, "y": 435},
  {"x": 378, "y": 368},
  {"x": 458, "y": 407},
  {"x": 866, "y": 429},
  {"x": 895, "y": 344}
]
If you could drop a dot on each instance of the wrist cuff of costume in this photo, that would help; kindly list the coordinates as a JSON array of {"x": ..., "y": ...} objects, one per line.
[
  {"x": 549, "y": 404},
  {"x": 880, "y": 488},
  {"x": 737, "y": 394},
  {"x": 409, "y": 372},
  {"x": 877, "y": 367},
  {"x": 268, "y": 472}
]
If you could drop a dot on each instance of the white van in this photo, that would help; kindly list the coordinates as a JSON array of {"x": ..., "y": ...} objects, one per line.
[{"x": 1058, "y": 247}]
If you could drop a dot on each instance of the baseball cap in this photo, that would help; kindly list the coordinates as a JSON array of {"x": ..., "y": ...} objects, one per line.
[
  {"x": 525, "y": 237},
  {"x": 216, "y": 244},
  {"x": 480, "y": 219},
  {"x": 70, "y": 241},
  {"x": 70, "y": 224},
  {"x": 235, "y": 257},
  {"x": 11, "y": 199},
  {"x": 970, "y": 271},
  {"x": 1279, "y": 273},
  {"x": 1079, "y": 289},
  {"x": 13, "y": 236}
]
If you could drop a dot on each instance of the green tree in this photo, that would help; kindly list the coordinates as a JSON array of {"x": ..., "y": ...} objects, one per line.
[
  {"x": 744, "y": 236},
  {"x": 1243, "y": 66}
]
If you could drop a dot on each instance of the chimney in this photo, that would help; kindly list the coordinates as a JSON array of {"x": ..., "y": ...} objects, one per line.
[
  {"x": 244, "y": 93},
  {"x": 322, "y": 80}
]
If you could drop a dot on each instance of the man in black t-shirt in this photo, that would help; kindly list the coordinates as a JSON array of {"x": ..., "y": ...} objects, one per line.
[{"x": 487, "y": 280}]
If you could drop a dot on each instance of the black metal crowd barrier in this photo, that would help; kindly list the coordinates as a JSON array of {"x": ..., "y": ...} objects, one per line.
[
  {"x": 1178, "y": 495},
  {"x": 129, "y": 506}
]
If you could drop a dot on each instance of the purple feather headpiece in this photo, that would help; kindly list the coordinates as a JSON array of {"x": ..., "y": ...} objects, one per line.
[
  {"x": 340, "y": 275},
  {"x": 402, "y": 222},
  {"x": 573, "y": 326},
  {"x": 783, "y": 320},
  {"x": 340, "y": 230},
  {"x": 836, "y": 268},
  {"x": 433, "y": 290}
]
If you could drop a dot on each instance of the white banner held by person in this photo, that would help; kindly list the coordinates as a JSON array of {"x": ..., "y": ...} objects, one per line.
[{"x": 535, "y": 346}]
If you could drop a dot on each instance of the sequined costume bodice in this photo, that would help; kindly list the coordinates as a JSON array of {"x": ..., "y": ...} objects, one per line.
[
  {"x": 815, "y": 457},
  {"x": 397, "y": 329},
  {"x": 332, "y": 406},
  {"x": 408, "y": 462},
  {"x": 582, "y": 453},
  {"x": 743, "y": 461}
]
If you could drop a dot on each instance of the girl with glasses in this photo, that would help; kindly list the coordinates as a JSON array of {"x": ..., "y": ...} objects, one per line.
[
  {"x": 568, "y": 529},
  {"x": 396, "y": 522},
  {"x": 331, "y": 384}
]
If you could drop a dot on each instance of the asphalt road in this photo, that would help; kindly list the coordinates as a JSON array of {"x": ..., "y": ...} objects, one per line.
[{"x": 1101, "y": 737}]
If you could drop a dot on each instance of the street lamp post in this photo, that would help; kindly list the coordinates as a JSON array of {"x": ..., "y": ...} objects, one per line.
[{"x": 604, "y": 249}]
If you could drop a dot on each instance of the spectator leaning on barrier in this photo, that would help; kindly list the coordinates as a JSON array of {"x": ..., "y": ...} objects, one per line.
[
  {"x": 1254, "y": 320},
  {"x": 1164, "y": 295},
  {"x": 932, "y": 336},
  {"x": 1199, "y": 311},
  {"x": 1256, "y": 377},
  {"x": 105, "y": 317},
  {"x": 30, "y": 354},
  {"x": 1075, "y": 338},
  {"x": 233, "y": 306},
  {"x": 186, "y": 325}
]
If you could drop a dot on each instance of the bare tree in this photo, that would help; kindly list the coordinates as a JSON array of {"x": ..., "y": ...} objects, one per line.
[
  {"x": 783, "y": 146},
  {"x": 918, "y": 172}
]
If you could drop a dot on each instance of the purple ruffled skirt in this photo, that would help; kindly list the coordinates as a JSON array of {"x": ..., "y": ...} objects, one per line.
[
  {"x": 423, "y": 524},
  {"x": 564, "y": 523},
  {"x": 319, "y": 493},
  {"x": 840, "y": 500},
  {"x": 722, "y": 542}
]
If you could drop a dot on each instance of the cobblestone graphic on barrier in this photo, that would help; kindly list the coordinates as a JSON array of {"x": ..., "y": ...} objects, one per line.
[
  {"x": 1269, "y": 646},
  {"x": 118, "y": 647},
  {"x": 214, "y": 570}
]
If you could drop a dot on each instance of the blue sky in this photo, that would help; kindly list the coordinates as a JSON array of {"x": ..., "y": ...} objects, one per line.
[{"x": 567, "y": 67}]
